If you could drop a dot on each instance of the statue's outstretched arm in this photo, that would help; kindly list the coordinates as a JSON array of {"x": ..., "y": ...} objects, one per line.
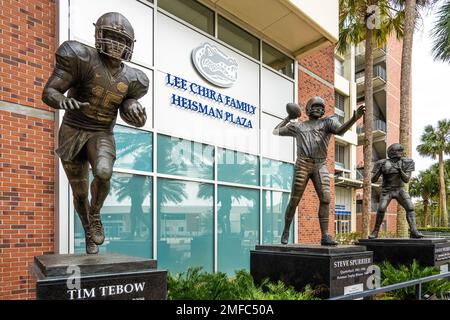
[{"x": 347, "y": 125}]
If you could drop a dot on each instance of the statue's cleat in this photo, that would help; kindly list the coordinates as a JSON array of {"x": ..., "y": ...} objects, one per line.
[
  {"x": 328, "y": 241},
  {"x": 415, "y": 234},
  {"x": 285, "y": 237},
  {"x": 97, "y": 232},
  {"x": 91, "y": 247},
  {"x": 373, "y": 235}
]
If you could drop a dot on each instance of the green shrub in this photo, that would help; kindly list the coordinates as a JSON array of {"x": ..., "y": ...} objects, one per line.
[
  {"x": 196, "y": 284},
  {"x": 392, "y": 275},
  {"x": 348, "y": 238},
  {"x": 435, "y": 229}
]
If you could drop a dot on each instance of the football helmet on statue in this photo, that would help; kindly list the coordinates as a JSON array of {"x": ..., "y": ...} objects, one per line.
[{"x": 114, "y": 36}]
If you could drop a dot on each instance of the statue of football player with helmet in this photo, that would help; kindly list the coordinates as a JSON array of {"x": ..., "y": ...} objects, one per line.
[
  {"x": 312, "y": 138},
  {"x": 396, "y": 171},
  {"x": 99, "y": 85}
]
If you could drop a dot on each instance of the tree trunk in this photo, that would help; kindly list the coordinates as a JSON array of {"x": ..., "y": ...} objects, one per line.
[
  {"x": 442, "y": 191},
  {"x": 405, "y": 99},
  {"x": 368, "y": 135},
  {"x": 425, "y": 212}
]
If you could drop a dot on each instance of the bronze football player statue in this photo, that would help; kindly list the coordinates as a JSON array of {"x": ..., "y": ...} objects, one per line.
[
  {"x": 100, "y": 85},
  {"x": 312, "y": 138},
  {"x": 396, "y": 171}
]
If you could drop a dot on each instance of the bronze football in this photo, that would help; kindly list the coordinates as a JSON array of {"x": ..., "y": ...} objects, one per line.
[{"x": 293, "y": 110}]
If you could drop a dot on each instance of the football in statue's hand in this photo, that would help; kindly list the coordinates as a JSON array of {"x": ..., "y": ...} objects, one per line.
[
  {"x": 132, "y": 112},
  {"x": 293, "y": 110}
]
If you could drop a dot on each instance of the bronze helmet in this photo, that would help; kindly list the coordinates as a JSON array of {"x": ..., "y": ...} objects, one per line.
[
  {"x": 315, "y": 101},
  {"x": 110, "y": 27},
  {"x": 395, "y": 151}
]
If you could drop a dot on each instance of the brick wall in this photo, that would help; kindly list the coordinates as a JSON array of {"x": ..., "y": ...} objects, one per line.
[
  {"x": 321, "y": 64},
  {"x": 27, "y": 46}
]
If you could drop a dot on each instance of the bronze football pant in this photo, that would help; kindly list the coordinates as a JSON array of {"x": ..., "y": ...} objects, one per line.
[
  {"x": 99, "y": 152},
  {"x": 316, "y": 170},
  {"x": 402, "y": 198}
]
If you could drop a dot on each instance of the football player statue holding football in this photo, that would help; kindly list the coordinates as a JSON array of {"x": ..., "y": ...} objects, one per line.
[
  {"x": 396, "y": 171},
  {"x": 100, "y": 85},
  {"x": 312, "y": 138}
]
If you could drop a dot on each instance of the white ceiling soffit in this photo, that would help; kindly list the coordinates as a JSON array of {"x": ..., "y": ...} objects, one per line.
[{"x": 299, "y": 26}]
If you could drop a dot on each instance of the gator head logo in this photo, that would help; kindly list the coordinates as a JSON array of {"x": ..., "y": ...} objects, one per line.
[{"x": 214, "y": 65}]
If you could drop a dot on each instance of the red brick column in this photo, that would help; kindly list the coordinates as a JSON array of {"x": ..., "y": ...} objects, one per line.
[
  {"x": 316, "y": 78},
  {"x": 27, "y": 46}
]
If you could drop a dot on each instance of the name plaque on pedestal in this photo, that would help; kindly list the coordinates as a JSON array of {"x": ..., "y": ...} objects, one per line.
[
  {"x": 98, "y": 277},
  {"x": 331, "y": 271}
]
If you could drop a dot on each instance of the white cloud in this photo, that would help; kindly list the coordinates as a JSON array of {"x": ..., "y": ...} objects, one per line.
[{"x": 430, "y": 89}]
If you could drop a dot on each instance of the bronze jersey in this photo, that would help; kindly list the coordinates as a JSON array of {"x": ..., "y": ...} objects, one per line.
[
  {"x": 390, "y": 173},
  {"x": 92, "y": 82}
]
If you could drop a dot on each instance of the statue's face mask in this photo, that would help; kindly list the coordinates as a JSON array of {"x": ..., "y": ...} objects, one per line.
[
  {"x": 395, "y": 152},
  {"x": 316, "y": 111},
  {"x": 115, "y": 45}
]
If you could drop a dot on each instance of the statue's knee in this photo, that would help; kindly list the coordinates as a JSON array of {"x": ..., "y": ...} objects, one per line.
[
  {"x": 326, "y": 198},
  {"x": 104, "y": 173}
]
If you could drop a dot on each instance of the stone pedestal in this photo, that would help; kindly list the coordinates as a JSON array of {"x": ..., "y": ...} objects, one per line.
[
  {"x": 433, "y": 252},
  {"x": 333, "y": 271},
  {"x": 98, "y": 277}
]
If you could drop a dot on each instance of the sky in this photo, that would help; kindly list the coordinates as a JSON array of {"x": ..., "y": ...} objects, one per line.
[{"x": 430, "y": 89}]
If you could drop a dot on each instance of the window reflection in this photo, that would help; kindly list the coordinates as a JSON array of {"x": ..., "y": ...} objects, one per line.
[
  {"x": 134, "y": 149},
  {"x": 126, "y": 217},
  {"x": 182, "y": 157},
  {"x": 278, "y": 60},
  {"x": 277, "y": 174},
  {"x": 274, "y": 206},
  {"x": 237, "y": 167},
  {"x": 237, "y": 37},
  {"x": 238, "y": 227},
  {"x": 185, "y": 225}
]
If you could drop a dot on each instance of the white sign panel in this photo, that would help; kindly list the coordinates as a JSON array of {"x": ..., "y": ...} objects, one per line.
[
  {"x": 188, "y": 104},
  {"x": 83, "y": 13}
]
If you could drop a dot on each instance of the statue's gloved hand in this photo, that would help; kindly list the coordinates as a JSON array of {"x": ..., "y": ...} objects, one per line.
[
  {"x": 72, "y": 104},
  {"x": 133, "y": 113},
  {"x": 359, "y": 112}
]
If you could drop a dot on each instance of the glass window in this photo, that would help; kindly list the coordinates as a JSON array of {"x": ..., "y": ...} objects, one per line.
[
  {"x": 339, "y": 156},
  {"x": 185, "y": 158},
  {"x": 126, "y": 216},
  {"x": 238, "y": 227},
  {"x": 185, "y": 225},
  {"x": 274, "y": 206},
  {"x": 339, "y": 67},
  {"x": 277, "y": 174},
  {"x": 277, "y": 60},
  {"x": 339, "y": 106},
  {"x": 192, "y": 12},
  {"x": 237, "y": 167},
  {"x": 238, "y": 38},
  {"x": 134, "y": 149}
]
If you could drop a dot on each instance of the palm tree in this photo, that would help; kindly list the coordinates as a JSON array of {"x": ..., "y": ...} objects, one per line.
[
  {"x": 441, "y": 33},
  {"x": 436, "y": 142},
  {"x": 410, "y": 9},
  {"x": 360, "y": 21},
  {"x": 425, "y": 186}
]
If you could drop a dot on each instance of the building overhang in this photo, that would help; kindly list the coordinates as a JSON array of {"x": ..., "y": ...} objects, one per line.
[{"x": 298, "y": 26}]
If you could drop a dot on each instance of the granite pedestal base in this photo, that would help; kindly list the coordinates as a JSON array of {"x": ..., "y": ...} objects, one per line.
[
  {"x": 331, "y": 271},
  {"x": 433, "y": 252},
  {"x": 98, "y": 277}
]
